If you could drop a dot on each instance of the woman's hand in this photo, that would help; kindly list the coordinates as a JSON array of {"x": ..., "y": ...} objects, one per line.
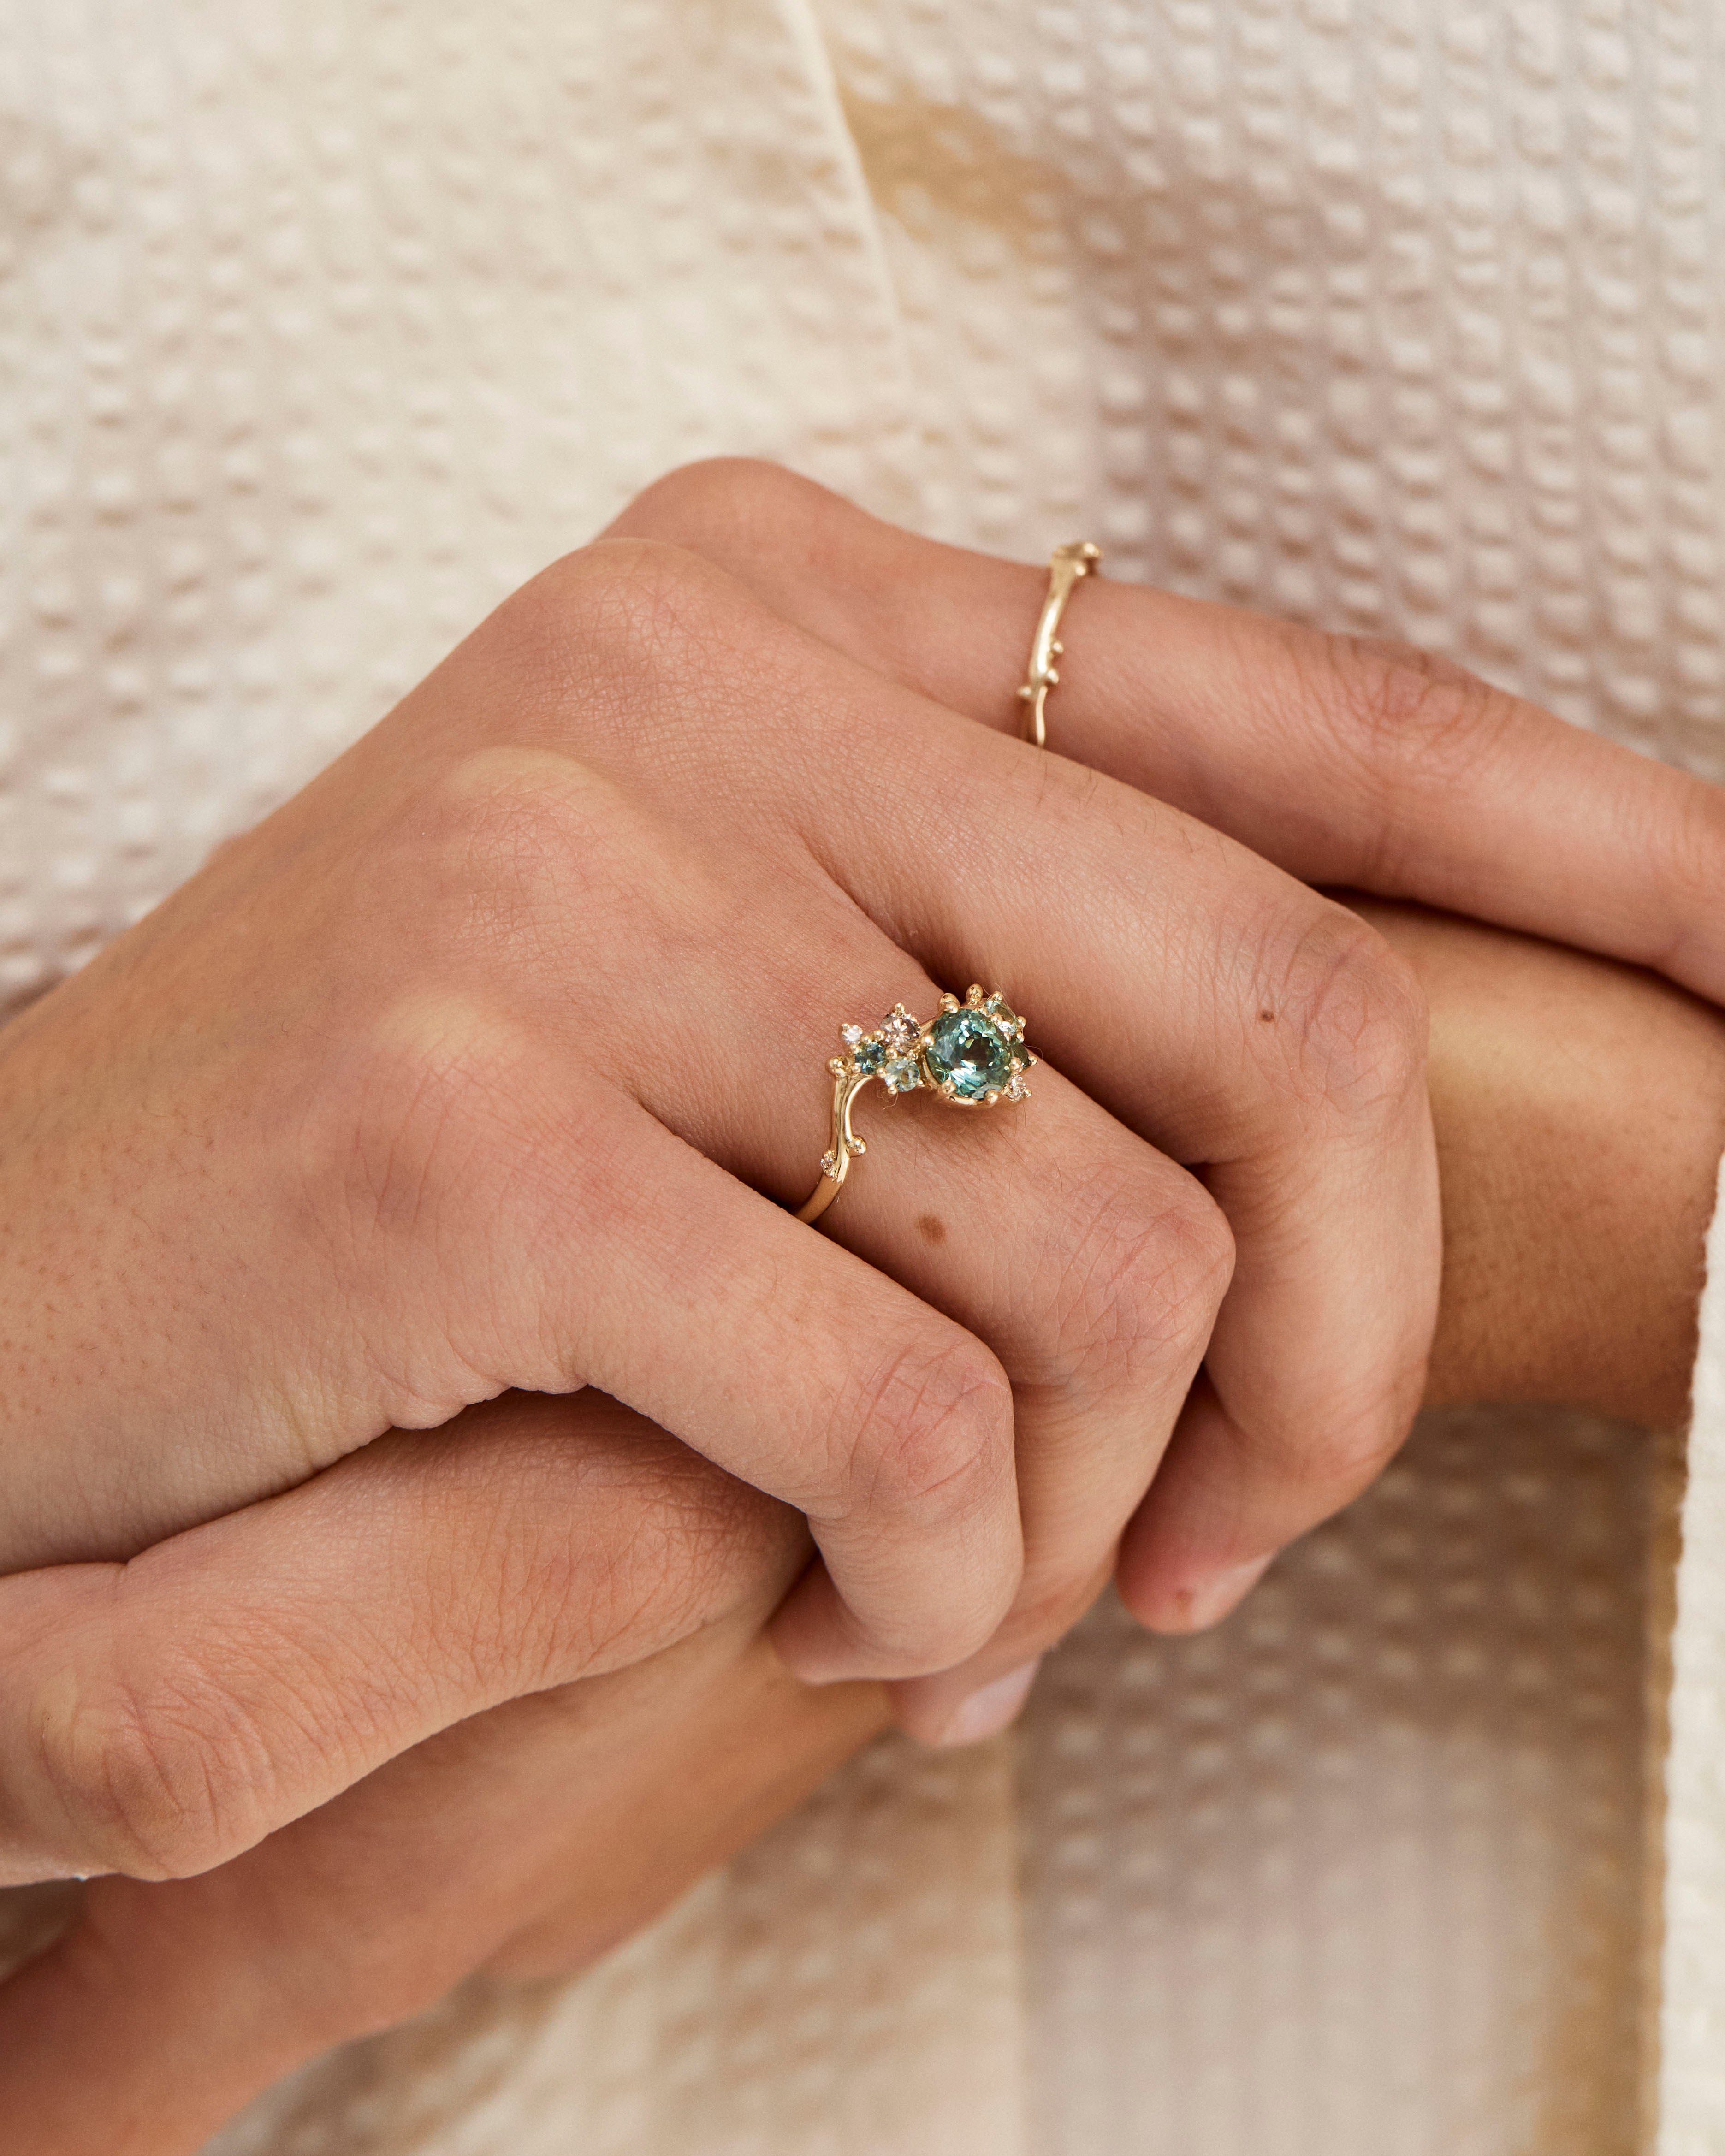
[
  {"x": 482, "y": 1065},
  {"x": 165, "y": 2008},
  {"x": 1346, "y": 763},
  {"x": 1580, "y": 1112}
]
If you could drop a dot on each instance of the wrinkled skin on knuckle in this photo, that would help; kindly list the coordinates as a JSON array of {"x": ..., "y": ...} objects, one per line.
[
  {"x": 934, "y": 1438},
  {"x": 930, "y": 1474},
  {"x": 1402, "y": 713},
  {"x": 145, "y": 1785},
  {"x": 1351, "y": 1016},
  {"x": 1161, "y": 1266},
  {"x": 1135, "y": 1283},
  {"x": 667, "y": 1546}
]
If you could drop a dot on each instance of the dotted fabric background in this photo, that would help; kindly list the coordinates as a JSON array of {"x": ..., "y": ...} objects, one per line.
[{"x": 322, "y": 325}]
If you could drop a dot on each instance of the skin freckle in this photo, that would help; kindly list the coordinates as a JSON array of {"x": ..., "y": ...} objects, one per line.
[
  {"x": 930, "y": 1227},
  {"x": 1266, "y": 1018}
]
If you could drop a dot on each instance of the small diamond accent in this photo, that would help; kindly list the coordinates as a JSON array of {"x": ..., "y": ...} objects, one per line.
[
  {"x": 1016, "y": 1088},
  {"x": 850, "y": 1035},
  {"x": 900, "y": 1032}
]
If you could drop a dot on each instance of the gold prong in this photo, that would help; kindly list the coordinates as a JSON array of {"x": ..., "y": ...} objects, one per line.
[
  {"x": 949, "y": 1003},
  {"x": 974, "y": 994},
  {"x": 837, "y": 1065},
  {"x": 990, "y": 1097},
  {"x": 1058, "y": 649}
]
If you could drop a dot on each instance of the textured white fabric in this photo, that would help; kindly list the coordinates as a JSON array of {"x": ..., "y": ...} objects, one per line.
[
  {"x": 323, "y": 322},
  {"x": 323, "y": 327},
  {"x": 849, "y": 1983}
]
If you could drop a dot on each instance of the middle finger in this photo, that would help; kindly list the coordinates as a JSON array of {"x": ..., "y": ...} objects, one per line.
[{"x": 1242, "y": 1024}]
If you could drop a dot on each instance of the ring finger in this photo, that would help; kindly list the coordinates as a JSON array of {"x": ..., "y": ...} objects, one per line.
[{"x": 1089, "y": 1262}]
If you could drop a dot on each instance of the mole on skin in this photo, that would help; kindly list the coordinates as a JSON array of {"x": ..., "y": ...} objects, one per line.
[{"x": 930, "y": 1227}]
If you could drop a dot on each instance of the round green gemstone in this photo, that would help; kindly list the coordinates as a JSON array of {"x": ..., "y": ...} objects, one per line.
[
  {"x": 870, "y": 1056},
  {"x": 966, "y": 1048}
]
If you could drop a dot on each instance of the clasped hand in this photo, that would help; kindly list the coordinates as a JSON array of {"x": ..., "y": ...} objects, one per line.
[{"x": 492, "y": 1062}]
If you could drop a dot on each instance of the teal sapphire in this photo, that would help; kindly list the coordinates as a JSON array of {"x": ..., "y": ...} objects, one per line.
[
  {"x": 967, "y": 1051},
  {"x": 869, "y": 1055}
]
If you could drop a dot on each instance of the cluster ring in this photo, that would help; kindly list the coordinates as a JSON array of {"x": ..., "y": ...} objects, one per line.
[{"x": 970, "y": 1054}]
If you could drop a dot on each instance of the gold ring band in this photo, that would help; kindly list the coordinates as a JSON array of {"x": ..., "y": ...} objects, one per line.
[
  {"x": 1068, "y": 566},
  {"x": 970, "y": 1055}
]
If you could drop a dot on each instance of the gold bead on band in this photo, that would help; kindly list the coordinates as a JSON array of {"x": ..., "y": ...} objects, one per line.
[{"x": 1067, "y": 567}]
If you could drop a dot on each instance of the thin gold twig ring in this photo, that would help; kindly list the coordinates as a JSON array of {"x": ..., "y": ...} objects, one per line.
[
  {"x": 1068, "y": 566},
  {"x": 973, "y": 1055}
]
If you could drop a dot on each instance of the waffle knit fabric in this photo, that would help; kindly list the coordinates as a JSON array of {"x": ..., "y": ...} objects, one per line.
[{"x": 325, "y": 322}]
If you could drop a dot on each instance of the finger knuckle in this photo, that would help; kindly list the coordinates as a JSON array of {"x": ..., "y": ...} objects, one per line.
[
  {"x": 1395, "y": 706},
  {"x": 934, "y": 1437},
  {"x": 1141, "y": 1282},
  {"x": 671, "y": 1545},
  {"x": 734, "y": 505},
  {"x": 600, "y": 639},
  {"x": 400, "y": 1130},
  {"x": 527, "y": 839},
  {"x": 1328, "y": 1470},
  {"x": 144, "y": 1784},
  {"x": 1351, "y": 1017}
]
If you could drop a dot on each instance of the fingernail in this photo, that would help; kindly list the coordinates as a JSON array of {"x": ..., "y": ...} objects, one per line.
[
  {"x": 988, "y": 1711},
  {"x": 1209, "y": 1601}
]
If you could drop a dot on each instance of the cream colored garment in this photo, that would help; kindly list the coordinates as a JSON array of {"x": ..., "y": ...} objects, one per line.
[{"x": 322, "y": 323}]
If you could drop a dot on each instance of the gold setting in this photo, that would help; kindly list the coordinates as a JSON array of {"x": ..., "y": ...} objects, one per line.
[
  {"x": 1068, "y": 566},
  {"x": 909, "y": 1054}
]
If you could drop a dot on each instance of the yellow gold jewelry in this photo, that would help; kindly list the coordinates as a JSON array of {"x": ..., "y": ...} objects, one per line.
[
  {"x": 1068, "y": 566},
  {"x": 973, "y": 1055}
]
